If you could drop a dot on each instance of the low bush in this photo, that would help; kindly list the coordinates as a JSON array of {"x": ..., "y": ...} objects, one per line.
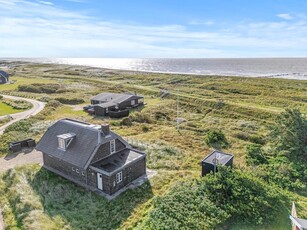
[
  {"x": 17, "y": 104},
  {"x": 216, "y": 139},
  {"x": 20, "y": 126},
  {"x": 70, "y": 101},
  {"x": 216, "y": 201},
  {"x": 141, "y": 117},
  {"x": 42, "y": 88},
  {"x": 254, "y": 155}
]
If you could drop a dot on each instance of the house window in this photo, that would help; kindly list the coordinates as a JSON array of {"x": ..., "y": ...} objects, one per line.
[
  {"x": 141, "y": 100},
  {"x": 61, "y": 143},
  {"x": 133, "y": 102},
  {"x": 119, "y": 177},
  {"x": 112, "y": 146},
  {"x": 64, "y": 140}
]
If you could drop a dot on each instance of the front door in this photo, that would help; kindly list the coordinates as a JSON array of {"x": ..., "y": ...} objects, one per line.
[{"x": 99, "y": 181}]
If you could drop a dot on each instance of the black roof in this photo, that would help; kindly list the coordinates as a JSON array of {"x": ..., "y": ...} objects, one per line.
[
  {"x": 115, "y": 97},
  {"x": 218, "y": 157},
  {"x": 84, "y": 145},
  {"x": 4, "y": 74}
]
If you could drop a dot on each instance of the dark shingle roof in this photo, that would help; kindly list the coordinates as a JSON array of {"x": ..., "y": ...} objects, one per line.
[
  {"x": 4, "y": 77},
  {"x": 114, "y": 97},
  {"x": 81, "y": 149},
  {"x": 107, "y": 104},
  {"x": 218, "y": 157},
  {"x": 4, "y": 74}
]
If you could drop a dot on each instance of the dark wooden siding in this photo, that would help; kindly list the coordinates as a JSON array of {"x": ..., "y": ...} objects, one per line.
[
  {"x": 127, "y": 104},
  {"x": 92, "y": 181},
  {"x": 64, "y": 168},
  {"x": 130, "y": 173},
  {"x": 99, "y": 111}
]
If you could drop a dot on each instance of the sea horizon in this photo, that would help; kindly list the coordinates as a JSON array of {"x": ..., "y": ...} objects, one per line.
[{"x": 275, "y": 67}]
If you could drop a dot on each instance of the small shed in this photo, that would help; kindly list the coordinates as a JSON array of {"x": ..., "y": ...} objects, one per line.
[
  {"x": 211, "y": 162},
  {"x": 19, "y": 145}
]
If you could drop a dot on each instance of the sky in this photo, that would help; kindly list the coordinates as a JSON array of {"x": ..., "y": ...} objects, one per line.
[{"x": 153, "y": 29}]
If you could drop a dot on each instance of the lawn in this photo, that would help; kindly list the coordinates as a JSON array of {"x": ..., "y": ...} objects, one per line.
[{"x": 6, "y": 109}]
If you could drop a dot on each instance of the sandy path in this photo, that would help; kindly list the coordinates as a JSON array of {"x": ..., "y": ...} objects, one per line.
[
  {"x": 37, "y": 107},
  {"x": 18, "y": 159}
]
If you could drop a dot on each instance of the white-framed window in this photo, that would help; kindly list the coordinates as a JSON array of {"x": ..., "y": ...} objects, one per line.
[
  {"x": 112, "y": 146},
  {"x": 119, "y": 177},
  {"x": 133, "y": 102},
  {"x": 62, "y": 143},
  {"x": 64, "y": 140}
]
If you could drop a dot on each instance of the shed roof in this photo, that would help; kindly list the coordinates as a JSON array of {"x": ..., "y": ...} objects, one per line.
[
  {"x": 218, "y": 157},
  {"x": 114, "y": 97},
  {"x": 83, "y": 145}
]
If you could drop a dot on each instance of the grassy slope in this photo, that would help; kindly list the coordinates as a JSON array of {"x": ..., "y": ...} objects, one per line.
[
  {"x": 249, "y": 107},
  {"x": 6, "y": 109}
]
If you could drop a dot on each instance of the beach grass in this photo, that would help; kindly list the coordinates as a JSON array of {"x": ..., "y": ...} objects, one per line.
[{"x": 243, "y": 108}]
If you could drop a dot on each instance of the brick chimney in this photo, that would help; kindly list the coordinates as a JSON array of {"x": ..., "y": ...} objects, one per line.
[{"x": 105, "y": 128}]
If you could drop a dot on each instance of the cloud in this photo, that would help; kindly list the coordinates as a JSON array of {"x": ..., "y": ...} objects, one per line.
[
  {"x": 41, "y": 30},
  {"x": 285, "y": 16},
  {"x": 202, "y": 22},
  {"x": 45, "y": 3}
]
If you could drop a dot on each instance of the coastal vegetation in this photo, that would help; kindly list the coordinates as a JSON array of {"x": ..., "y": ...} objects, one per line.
[
  {"x": 243, "y": 116},
  {"x": 13, "y": 106}
]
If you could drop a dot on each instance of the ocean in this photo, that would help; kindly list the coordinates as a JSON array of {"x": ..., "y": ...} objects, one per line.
[{"x": 290, "y": 68}]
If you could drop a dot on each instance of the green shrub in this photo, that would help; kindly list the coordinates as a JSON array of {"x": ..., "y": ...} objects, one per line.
[
  {"x": 20, "y": 126},
  {"x": 18, "y": 104},
  {"x": 42, "y": 88},
  {"x": 290, "y": 133},
  {"x": 127, "y": 121},
  {"x": 214, "y": 201},
  {"x": 145, "y": 128},
  {"x": 216, "y": 139},
  {"x": 254, "y": 155},
  {"x": 141, "y": 117},
  {"x": 70, "y": 101}
]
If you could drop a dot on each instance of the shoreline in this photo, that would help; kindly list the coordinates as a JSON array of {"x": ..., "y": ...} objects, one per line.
[{"x": 267, "y": 76}]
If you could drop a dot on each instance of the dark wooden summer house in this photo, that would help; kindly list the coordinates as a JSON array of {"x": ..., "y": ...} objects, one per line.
[
  {"x": 91, "y": 156},
  {"x": 4, "y": 77},
  {"x": 106, "y": 103}
]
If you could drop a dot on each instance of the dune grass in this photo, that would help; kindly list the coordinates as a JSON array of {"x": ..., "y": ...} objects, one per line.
[{"x": 243, "y": 108}]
